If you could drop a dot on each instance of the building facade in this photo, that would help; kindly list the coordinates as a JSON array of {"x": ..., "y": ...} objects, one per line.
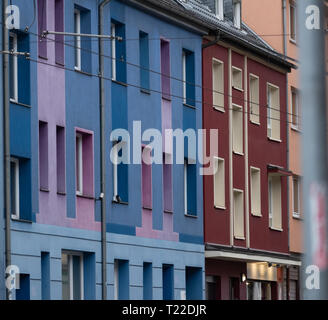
[
  {"x": 154, "y": 211},
  {"x": 245, "y": 202},
  {"x": 279, "y": 30}
]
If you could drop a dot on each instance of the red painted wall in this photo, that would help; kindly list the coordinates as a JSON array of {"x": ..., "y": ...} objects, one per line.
[{"x": 261, "y": 152}]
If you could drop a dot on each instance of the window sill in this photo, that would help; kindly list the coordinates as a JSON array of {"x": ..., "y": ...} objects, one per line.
[
  {"x": 20, "y": 104},
  {"x": 220, "y": 208},
  {"x": 15, "y": 218},
  {"x": 166, "y": 97},
  {"x": 274, "y": 140},
  {"x": 276, "y": 229},
  {"x": 238, "y": 153},
  {"x": 145, "y": 91},
  {"x": 61, "y": 193},
  {"x": 119, "y": 83},
  {"x": 220, "y": 109},
  {"x": 238, "y": 89},
  {"x": 43, "y": 58},
  {"x": 147, "y": 208},
  {"x": 121, "y": 202},
  {"x": 83, "y": 72},
  {"x": 296, "y": 129},
  {"x": 293, "y": 41},
  {"x": 189, "y": 106},
  {"x": 85, "y": 196},
  {"x": 297, "y": 217},
  {"x": 258, "y": 215},
  {"x": 255, "y": 123},
  {"x": 239, "y": 238},
  {"x": 188, "y": 215},
  {"x": 44, "y": 190},
  {"x": 168, "y": 211}
]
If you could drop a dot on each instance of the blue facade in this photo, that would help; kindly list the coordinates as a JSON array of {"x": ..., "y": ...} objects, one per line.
[{"x": 58, "y": 229}]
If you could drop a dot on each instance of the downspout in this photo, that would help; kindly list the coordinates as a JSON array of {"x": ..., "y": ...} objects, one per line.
[
  {"x": 6, "y": 134},
  {"x": 284, "y": 14},
  {"x": 102, "y": 101}
]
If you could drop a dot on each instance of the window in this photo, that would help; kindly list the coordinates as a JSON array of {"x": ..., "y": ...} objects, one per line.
[
  {"x": 79, "y": 164},
  {"x": 213, "y": 288},
  {"x": 292, "y": 21},
  {"x": 188, "y": 77},
  {"x": 237, "y": 13},
  {"x": 24, "y": 291},
  {"x": 59, "y": 27},
  {"x": 82, "y": 45},
  {"x": 60, "y": 155},
  {"x": 255, "y": 191},
  {"x": 219, "y": 184},
  {"x": 273, "y": 112},
  {"x": 42, "y": 22},
  {"x": 295, "y": 109},
  {"x": 113, "y": 34},
  {"x": 254, "y": 99},
  {"x": 167, "y": 184},
  {"x": 146, "y": 179},
  {"x": 72, "y": 276},
  {"x": 144, "y": 60},
  {"x": 118, "y": 52},
  {"x": 194, "y": 283},
  {"x": 296, "y": 197},
  {"x": 274, "y": 202},
  {"x": 45, "y": 275},
  {"x": 14, "y": 188},
  {"x": 168, "y": 282},
  {"x": 237, "y": 78},
  {"x": 238, "y": 214},
  {"x": 120, "y": 173},
  {"x": 84, "y": 164},
  {"x": 218, "y": 84},
  {"x": 77, "y": 44},
  {"x": 190, "y": 188},
  {"x": 147, "y": 281},
  {"x": 165, "y": 69},
  {"x": 237, "y": 129},
  {"x": 43, "y": 156},
  {"x": 234, "y": 289},
  {"x": 13, "y": 46},
  {"x": 219, "y": 9},
  {"x": 121, "y": 279}
]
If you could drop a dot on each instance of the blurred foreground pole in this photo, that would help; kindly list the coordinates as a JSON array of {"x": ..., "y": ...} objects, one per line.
[{"x": 311, "y": 21}]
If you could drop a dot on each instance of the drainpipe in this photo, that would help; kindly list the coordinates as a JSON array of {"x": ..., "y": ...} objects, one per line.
[
  {"x": 6, "y": 134},
  {"x": 284, "y": 14},
  {"x": 102, "y": 101}
]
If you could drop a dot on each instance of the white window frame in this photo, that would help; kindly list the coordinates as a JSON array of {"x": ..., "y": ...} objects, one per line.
[
  {"x": 254, "y": 118},
  {"x": 219, "y": 9},
  {"x": 113, "y": 50},
  {"x": 79, "y": 158},
  {"x": 238, "y": 148},
  {"x": 15, "y": 215},
  {"x": 239, "y": 86},
  {"x": 237, "y": 14},
  {"x": 238, "y": 236},
  {"x": 185, "y": 186},
  {"x": 273, "y": 113},
  {"x": 15, "y": 66},
  {"x": 255, "y": 212},
  {"x": 297, "y": 214},
  {"x": 70, "y": 272},
  {"x": 77, "y": 29},
  {"x": 292, "y": 4},
  {"x": 184, "y": 76},
  {"x": 297, "y": 106},
  {"x": 219, "y": 91},
  {"x": 272, "y": 203},
  {"x": 218, "y": 160}
]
